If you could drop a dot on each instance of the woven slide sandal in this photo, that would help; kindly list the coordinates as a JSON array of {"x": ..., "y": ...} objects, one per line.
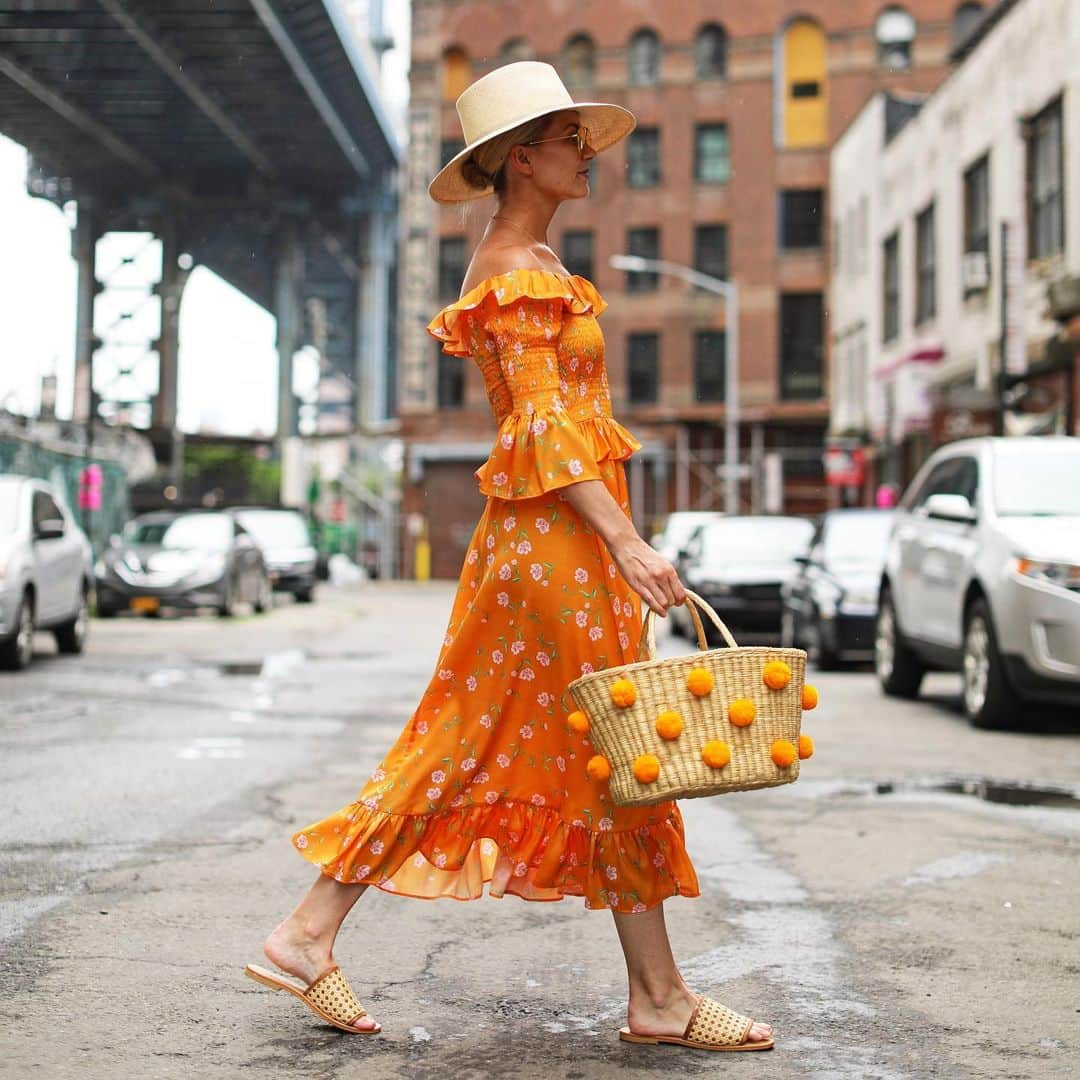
[
  {"x": 712, "y": 1026},
  {"x": 329, "y": 996}
]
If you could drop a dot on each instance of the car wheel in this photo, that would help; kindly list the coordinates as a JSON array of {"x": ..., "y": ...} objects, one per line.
[
  {"x": 304, "y": 596},
  {"x": 823, "y": 658},
  {"x": 989, "y": 701},
  {"x": 71, "y": 636},
  {"x": 264, "y": 601},
  {"x": 17, "y": 652},
  {"x": 900, "y": 672},
  {"x": 227, "y": 608}
]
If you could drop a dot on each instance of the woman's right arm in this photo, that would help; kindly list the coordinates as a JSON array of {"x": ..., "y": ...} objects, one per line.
[{"x": 645, "y": 570}]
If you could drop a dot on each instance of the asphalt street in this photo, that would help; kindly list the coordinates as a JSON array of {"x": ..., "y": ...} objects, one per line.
[{"x": 907, "y": 909}]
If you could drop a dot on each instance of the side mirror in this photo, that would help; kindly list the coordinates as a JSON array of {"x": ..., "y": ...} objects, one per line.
[
  {"x": 802, "y": 560},
  {"x": 52, "y": 529},
  {"x": 949, "y": 508}
]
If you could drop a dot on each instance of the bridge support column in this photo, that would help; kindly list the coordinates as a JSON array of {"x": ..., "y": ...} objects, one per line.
[
  {"x": 376, "y": 257},
  {"x": 170, "y": 290},
  {"x": 288, "y": 276},
  {"x": 84, "y": 240}
]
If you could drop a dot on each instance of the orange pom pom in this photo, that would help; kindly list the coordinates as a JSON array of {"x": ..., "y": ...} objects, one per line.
[
  {"x": 578, "y": 721},
  {"x": 806, "y": 747},
  {"x": 623, "y": 693},
  {"x": 776, "y": 675},
  {"x": 741, "y": 712},
  {"x": 809, "y": 697},
  {"x": 699, "y": 682},
  {"x": 646, "y": 768},
  {"x": 669, "y": 725},
  {"x": 598, "y": 768},
  {"x": 716, "y": 754},
  {"x": 783, "y": 753}
]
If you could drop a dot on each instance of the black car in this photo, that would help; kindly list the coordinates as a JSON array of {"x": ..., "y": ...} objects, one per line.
[
  {"x": 830, "y": 606},
  {"x": 286, "y": 545},
  {"x": 738, "y": 564},
  {"x": 182, "y": 560}
]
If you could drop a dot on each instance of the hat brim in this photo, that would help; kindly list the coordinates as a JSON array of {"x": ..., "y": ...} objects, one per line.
[{"x": 607, "y": 124}]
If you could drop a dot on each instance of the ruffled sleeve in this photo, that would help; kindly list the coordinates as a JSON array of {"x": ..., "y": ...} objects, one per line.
[{"x": 515, "y": 320}]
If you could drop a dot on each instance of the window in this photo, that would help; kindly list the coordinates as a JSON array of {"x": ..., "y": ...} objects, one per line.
[
  {"x": 710, "y": 250},
  {"x": 450, "y": 380},
  {"x": 890, "y": 288},
  {"x": 451, "y": 266},
  {"x": 44, "y": 508},
  {"x": 895, "y": 31},
  {"x": 925, "y": 267},
  {"x": 449, "y": 148},
  {"x": 579, "y": 61},
  {"x": 800, "y": 219},
  {"x": 643, "y": 158},
  {"x": 643, "y": 368},
  {"x": 802, "y": 89},
  {"x": 1046, "y": 182},
  {"x": 646, "y": 243},
  {"x": 977, "y": 206},
  {"x": 965, "y": 19},
  {"x": 578, "y": 253},
  {"x": 517, "y": 48},
  {"x": 801, "y": 337},
  {"x": 710, "y": 52},
  {"x": 709, "y": 365},
  {"x": 644, "y": 59},
  {"x": 954, "y": 476},
  {"x": 712, "y": 164},
  {"x": 456, "y": 72}
]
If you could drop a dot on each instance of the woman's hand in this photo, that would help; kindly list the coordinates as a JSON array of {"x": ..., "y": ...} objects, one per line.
[{"x": 648, "y": 573}]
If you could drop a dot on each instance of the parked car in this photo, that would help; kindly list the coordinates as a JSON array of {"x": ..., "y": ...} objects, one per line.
[
  {"x": 830, "y": 604},
  {"x": 183, "y": 560},
  {"x": 46, "y": 574},
  {"x": 738, "y": 564},
  {"x": 678, "y": 528},
  {"x": 982, "y": 576},
  {"x": 286, "y": 545}
]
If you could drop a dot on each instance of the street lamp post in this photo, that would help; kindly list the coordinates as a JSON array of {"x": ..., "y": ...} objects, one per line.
[{"x": 729, "y": 290}]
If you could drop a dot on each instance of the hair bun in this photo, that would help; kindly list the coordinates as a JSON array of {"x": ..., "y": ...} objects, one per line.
[{"x": 473, "y": 175}]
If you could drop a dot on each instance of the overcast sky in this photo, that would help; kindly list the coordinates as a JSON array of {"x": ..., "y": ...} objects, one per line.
[{"x": 228, "y": 364}]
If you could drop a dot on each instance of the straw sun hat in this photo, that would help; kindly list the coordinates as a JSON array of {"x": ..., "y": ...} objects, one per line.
[{"x": 513, "y": 95}]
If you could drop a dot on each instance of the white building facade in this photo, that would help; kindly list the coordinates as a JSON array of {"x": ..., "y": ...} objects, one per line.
[{"x": 922, "y": 194}]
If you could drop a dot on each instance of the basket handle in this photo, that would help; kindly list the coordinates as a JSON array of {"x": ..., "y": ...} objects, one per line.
[{"x": 648, "y": 638}]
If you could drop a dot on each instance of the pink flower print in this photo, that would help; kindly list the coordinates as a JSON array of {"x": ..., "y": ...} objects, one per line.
[
  {"x": 596, "y": 633},
  {"x": 520, "y": 870},
  {"x": 507, "y": 440},
  {"x": 624, "y": 641},
  {"x": 376, "y": 847},
  {"x": 588, "y": 368},
  {"x": 440, "y": 859},
  {"x": 486, "y": 720},
  {"x": 499, "y": 479},
  {"x": 586, "y": 668},
  {"x": 543, "y": 659},
  {"x": 491, "y": 541},
  {"x": 611, "y": 570},
  {"x": 517, "y": 647},
  {"x": 543, "y": 699},
  {"x": 491, "y": 797},
  {"x": 638, "y": 908},
  {"x": 581, "y": 575},
  {"x": 575, "y": 467},
  {"x": 573, "y": 363},
  {"x": 560, "y": 763},
  {"x": 537, "y": 800},
  {"x": 418, "y": 860},
  {"x": 457, "y": 800},
  {"x": 446, "y": 674},
  {"x": 438, "y": 777},
  {"x": 612, "y": 873},
  {"x": 543, "y": 525},
  {"x": 370, "y": 803},
  {"x": 378, "y": 774},
  {"x": 361, "y": 872},
  {"x": 582, "y": 388},
  {"x": 503, "y": 599},
  {"x": 536, "y": 571},
  {"x": 527, "y": 674},
  {"x": 468, "y": 764},
  {"x": 503, "y": 761},
  {"x": 433, "y": 793},
  {"x": 525, "y": 732},
  {"x": 490, "y": 558},
  {"x": 613, "y": 898},
  {"x": 581, "y": 618},
  {"x": 658, "y": 859},
  {"x": 496, "y": 656},
  {"x": 505, "y": 571},
  {"x": 481, "y": 777},
  {"x": 539, "y": 426},
  {"x": 627, "y": 608},
  {"x": 421, "y": 727},
  {"x": 301, "y": 841},
  {"x": 470, "y": 683},
  {"x": 524, "y": 547},
  {"x": 605, "y": 824}
]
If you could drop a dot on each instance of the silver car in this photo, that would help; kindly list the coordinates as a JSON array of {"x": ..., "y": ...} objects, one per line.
[
  {"x": 46, "y": 573},
  {"x": 982, "y": 576}
]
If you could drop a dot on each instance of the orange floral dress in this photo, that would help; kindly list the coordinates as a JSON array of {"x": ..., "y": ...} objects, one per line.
[{"x": 487, "y": 783}]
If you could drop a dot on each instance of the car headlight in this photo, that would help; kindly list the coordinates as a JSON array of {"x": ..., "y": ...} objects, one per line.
[
  {"x": 859, "y": 598},
  {"x": 1063, "y": 575},
  {"x": 100, "y": 568},
  {"x": 717, "y": 588}
]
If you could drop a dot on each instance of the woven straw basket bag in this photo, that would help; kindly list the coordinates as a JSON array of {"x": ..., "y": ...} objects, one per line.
[{"x": 624, "y": 704}]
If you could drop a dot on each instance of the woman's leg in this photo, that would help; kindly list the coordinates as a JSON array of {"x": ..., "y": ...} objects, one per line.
[
  {"x": 660, "y": 1002},
  {"x": 303, "y": 945}
]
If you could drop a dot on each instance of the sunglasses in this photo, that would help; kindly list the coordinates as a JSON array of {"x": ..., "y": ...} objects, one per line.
[{"x": 581, "y": 135}]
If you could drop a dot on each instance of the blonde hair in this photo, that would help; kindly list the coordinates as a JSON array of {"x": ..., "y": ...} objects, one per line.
[{"x": 486, "y": 165}]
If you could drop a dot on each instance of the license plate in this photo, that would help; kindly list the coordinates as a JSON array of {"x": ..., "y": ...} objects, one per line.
[{"x": 145, "y": 603}]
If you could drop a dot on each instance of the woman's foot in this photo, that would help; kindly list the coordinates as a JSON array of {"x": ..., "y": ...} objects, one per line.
[
  {"x": 671, "y": 1017},
  {"x": 305, "y": 956}
]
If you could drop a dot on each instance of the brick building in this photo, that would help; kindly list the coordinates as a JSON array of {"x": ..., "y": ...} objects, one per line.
[{"x": 737, "y": 106}]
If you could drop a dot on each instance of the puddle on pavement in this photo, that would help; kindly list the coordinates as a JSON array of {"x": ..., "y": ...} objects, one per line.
[{"x": 991, "y": 791}]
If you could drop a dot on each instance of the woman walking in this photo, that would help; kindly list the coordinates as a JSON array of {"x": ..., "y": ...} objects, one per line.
[{"x": 487, "y": 782}]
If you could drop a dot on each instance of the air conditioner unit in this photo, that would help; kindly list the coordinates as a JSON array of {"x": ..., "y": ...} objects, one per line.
[{"x": 975, "y": 271}]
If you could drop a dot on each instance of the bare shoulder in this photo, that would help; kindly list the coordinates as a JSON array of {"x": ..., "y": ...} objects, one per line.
[{"x": 493, "y": 258}]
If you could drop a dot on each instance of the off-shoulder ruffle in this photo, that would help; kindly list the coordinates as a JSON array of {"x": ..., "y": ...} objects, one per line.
[
  {"x": 513, "y": 847},
  {"x": 578, "y": 294},
  {"x": 537, "y": 452}
]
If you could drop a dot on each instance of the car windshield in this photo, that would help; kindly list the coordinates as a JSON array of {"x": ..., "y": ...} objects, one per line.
[
  {"x": 856, "y": 538},
  {"x": 9, "y": 508},
  {"x": 208, "y": 532},
  {"x": 756, "y": 539},
  {"x": 1037, "y": 479},
  {"x": 275, "y": 528},
  {"x": 681, "y": 527}
]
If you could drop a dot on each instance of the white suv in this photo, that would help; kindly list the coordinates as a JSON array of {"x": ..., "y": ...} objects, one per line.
[{"x": 982, "y": 576}]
